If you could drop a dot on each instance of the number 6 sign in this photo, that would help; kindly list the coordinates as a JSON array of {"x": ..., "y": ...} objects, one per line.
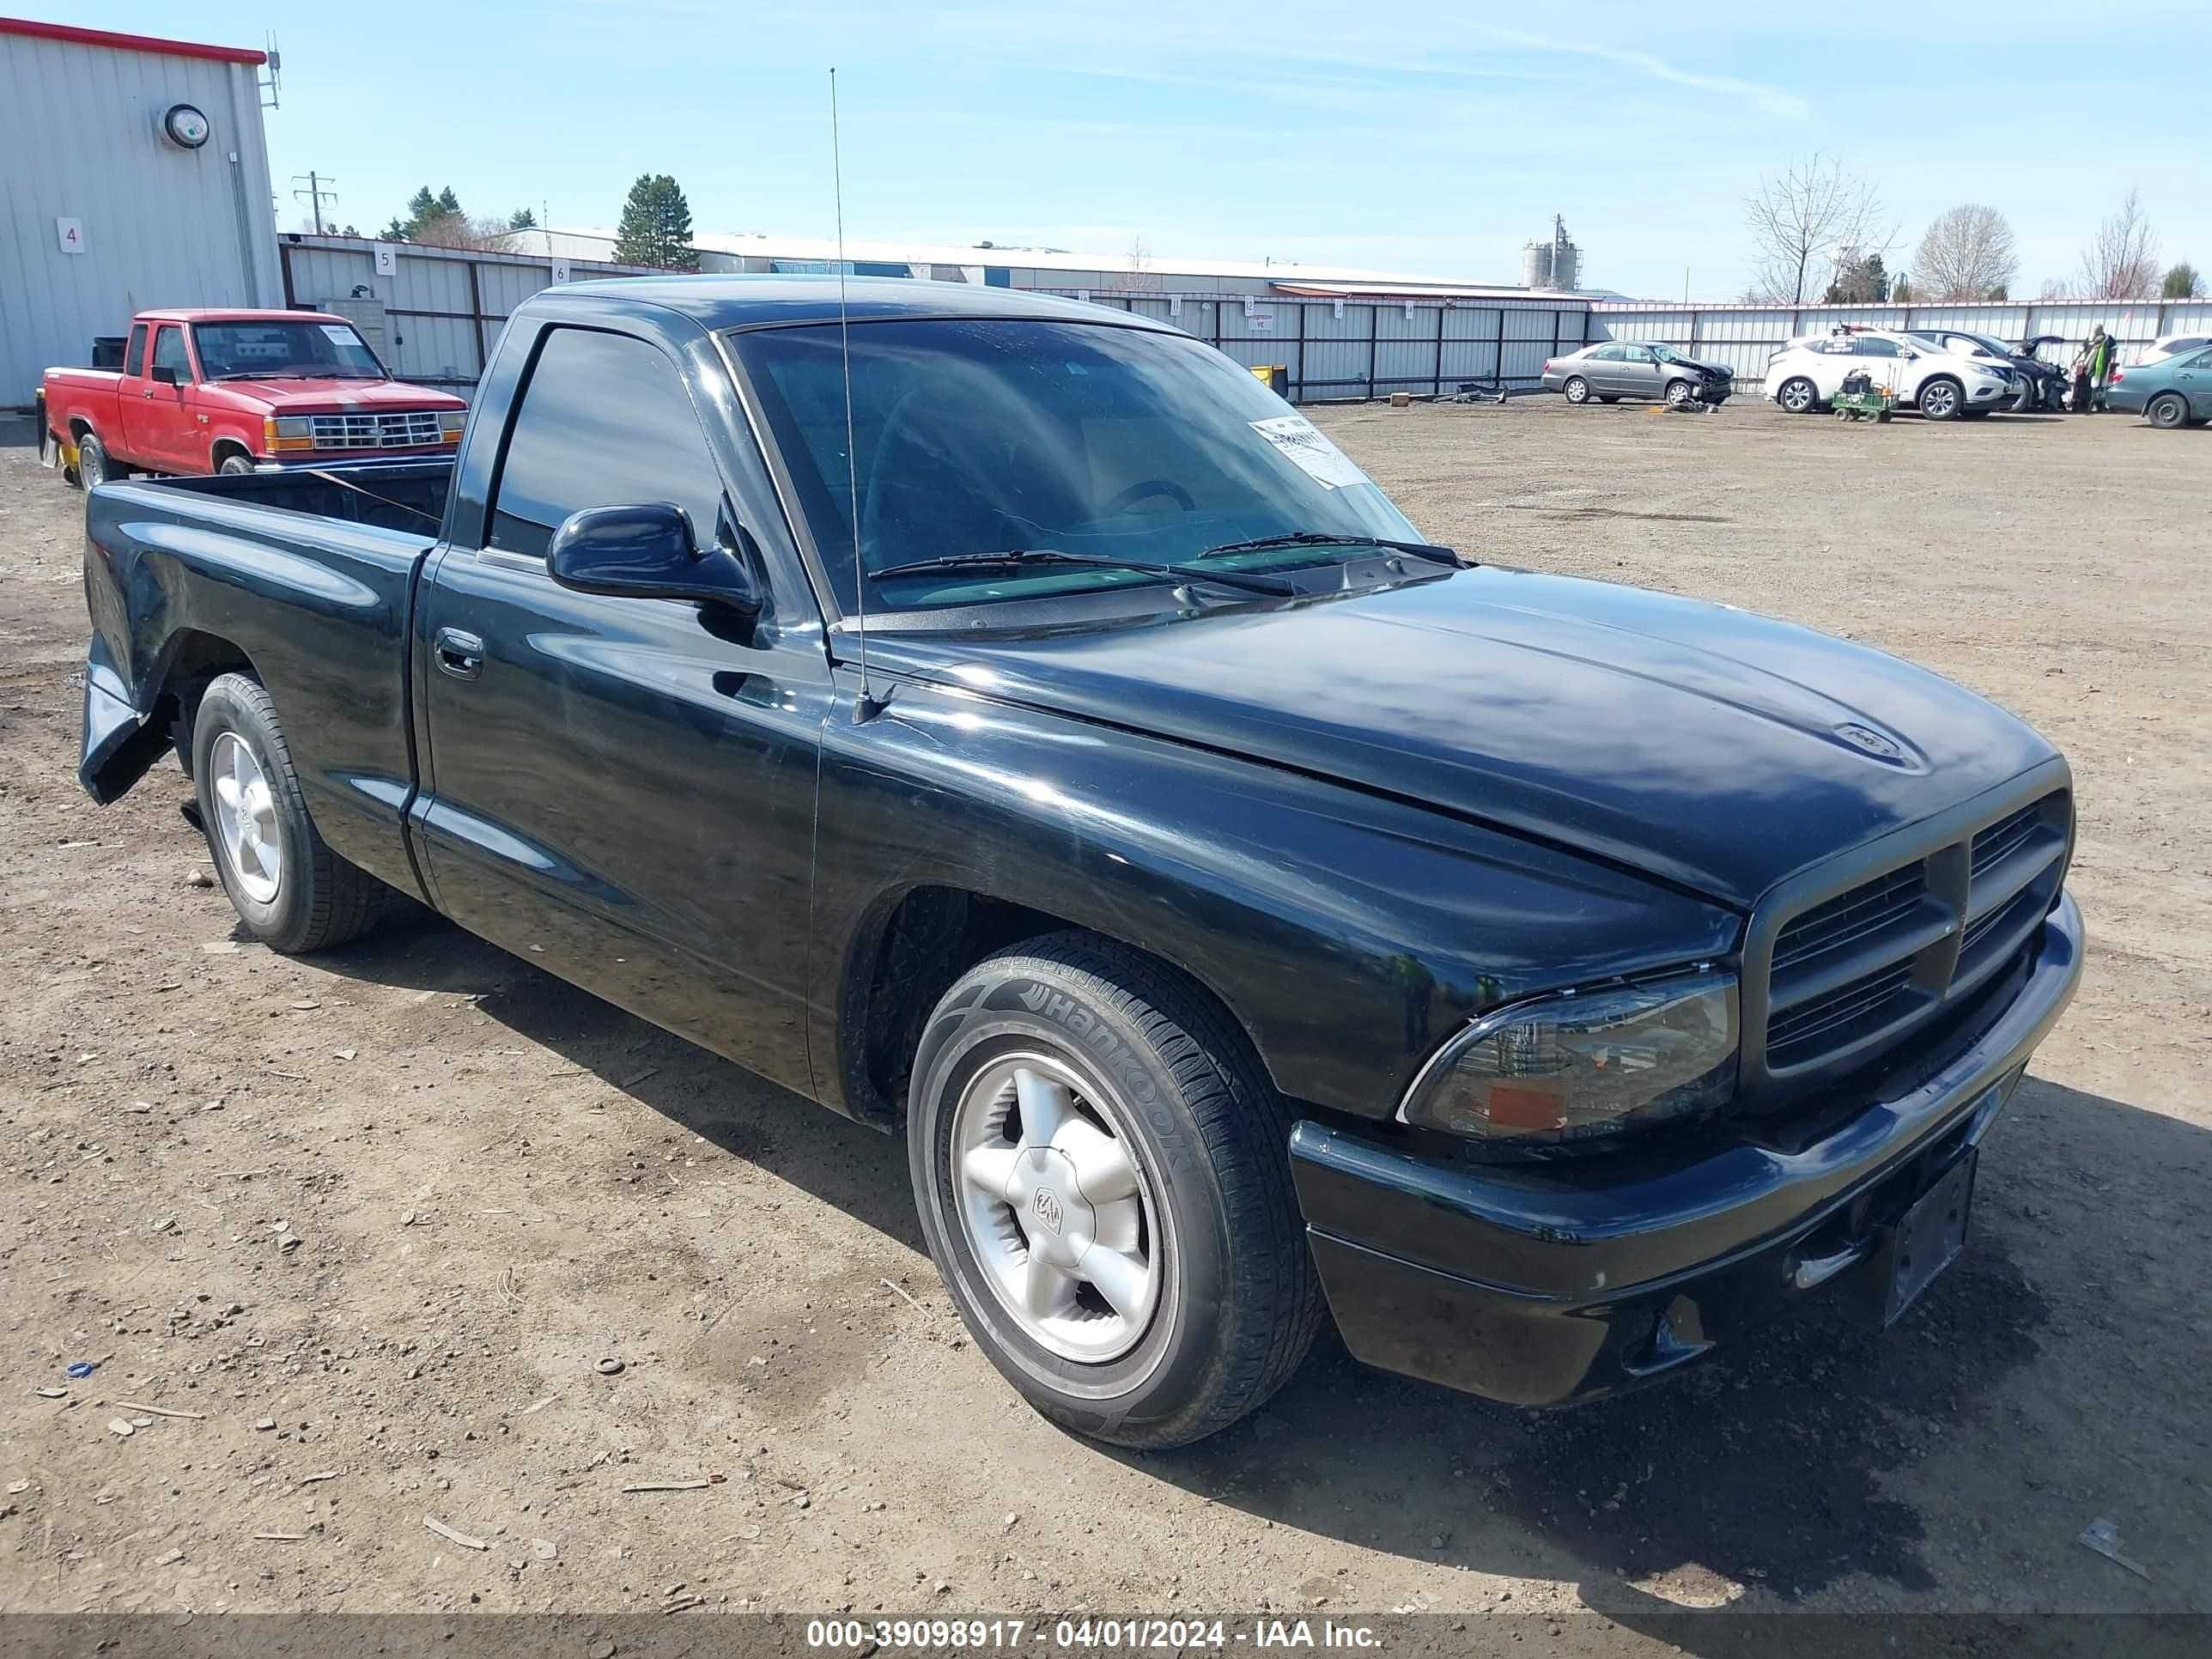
[{"x": 71, "y": 234}]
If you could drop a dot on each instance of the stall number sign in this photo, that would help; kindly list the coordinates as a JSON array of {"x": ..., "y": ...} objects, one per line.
[
  {"x": 387, "y": 259},
  {"x": 70, "y": 232}
]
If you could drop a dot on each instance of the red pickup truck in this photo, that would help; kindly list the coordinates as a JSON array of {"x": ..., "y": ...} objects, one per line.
[{"x": 237, "y": 391}]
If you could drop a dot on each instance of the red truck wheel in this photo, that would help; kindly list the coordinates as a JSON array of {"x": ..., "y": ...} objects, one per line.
[{"x": 91, "y": 461}]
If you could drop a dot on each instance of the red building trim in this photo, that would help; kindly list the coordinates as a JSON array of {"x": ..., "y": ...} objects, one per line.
[{"x": 79, "y": 37}]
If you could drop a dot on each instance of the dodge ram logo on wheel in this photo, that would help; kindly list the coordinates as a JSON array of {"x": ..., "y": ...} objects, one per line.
[{"x": 1046, "y": 1208}]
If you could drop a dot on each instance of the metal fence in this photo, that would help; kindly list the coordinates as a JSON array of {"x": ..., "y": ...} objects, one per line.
[
  {"x": 1744, "y": 336},
  {"x": 443, "y": 307},
  {"x": 1355, "y": 349}
]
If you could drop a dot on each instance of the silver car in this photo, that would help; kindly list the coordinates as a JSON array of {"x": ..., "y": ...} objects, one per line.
[{"x": 1614, "y": 369}]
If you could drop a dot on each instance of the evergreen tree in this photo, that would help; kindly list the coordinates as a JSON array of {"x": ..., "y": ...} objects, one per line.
[
  {"x": 656, "y": 226},
  {"x": 522, "y": 219}
]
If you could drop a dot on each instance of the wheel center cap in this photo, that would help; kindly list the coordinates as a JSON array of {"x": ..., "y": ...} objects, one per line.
[{"x": 1051, "y": 1208}]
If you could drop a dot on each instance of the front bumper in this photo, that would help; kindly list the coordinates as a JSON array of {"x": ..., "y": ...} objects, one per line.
[{"x": 1547, "y": 1284}]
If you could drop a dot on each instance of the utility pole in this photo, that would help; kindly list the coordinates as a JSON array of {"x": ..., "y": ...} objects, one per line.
[{"x": 318, "y": 191}]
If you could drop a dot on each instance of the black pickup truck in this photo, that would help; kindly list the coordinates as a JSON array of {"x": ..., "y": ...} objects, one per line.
[{"x": 1004, "y": 720}]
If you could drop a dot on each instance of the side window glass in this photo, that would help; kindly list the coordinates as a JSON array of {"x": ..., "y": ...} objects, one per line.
[
  {"x": 170, "y": 353},
  {"x": 1870, "y": 348},
  {"x": 1639, "y": 354},
  {"x": 134, "y": 361},
  {"x": 605, "y": 421}
]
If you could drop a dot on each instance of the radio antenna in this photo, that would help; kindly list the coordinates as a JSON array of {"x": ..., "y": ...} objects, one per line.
[{"x": 867, "y": 707}]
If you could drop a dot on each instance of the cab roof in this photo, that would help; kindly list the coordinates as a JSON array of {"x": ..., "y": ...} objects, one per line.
[
  {"x": 232, "y": 314},
  {"x": 723, "y": 302}
]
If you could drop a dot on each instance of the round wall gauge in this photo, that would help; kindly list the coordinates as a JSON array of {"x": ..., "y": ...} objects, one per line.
[{"x": 185, "y": 126}]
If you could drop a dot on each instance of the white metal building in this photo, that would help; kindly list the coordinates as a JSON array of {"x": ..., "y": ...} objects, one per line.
[{"x": 133, "y": 172}]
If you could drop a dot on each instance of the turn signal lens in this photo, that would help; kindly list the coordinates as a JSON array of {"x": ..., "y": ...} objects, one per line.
[{"x": 1579, "y": 1065}]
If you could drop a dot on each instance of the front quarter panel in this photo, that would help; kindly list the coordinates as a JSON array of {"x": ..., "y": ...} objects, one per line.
[{"x": 1347, "y": 932}]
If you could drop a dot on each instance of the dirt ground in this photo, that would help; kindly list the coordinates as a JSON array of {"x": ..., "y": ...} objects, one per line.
[{"x": 383, "y": 1214}]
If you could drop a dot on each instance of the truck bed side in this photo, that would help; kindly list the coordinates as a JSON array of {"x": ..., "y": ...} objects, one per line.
[
  {"x": 76, "y": 397},
  {"x": 189, "y": 579}
]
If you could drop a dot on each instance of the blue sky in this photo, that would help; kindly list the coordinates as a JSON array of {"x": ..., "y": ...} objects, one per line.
[{"x": 1414, "y": 137}]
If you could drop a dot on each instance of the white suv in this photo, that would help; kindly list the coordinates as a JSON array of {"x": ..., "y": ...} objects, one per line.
[{"x": 1805, "y": 374}]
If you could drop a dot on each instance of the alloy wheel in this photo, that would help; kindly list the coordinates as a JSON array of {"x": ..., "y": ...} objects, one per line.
[
  {"x": 1060, "y": 1215},
  {"x": 245, "y": 820}
]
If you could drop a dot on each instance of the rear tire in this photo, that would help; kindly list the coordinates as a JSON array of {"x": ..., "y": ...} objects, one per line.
[
  {"x": 1577, "y": 390},
  {"x": 292, "y": 892},
  {"x": 2168, "y": 411},
  {"x": 1941, "y": 398},
  {"x": 1798, "y": 396},
  {"x": 1138, "y": 1084},
  {"x": 92, "y": 469}
]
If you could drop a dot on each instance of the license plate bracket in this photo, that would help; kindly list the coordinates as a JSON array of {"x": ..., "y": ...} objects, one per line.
[{"x": 1925, "y": 1240}]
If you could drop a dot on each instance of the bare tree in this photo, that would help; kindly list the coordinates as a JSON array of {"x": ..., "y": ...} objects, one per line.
[
  {"x": 2122, "y": 263},
  {"x": 1804, "y": 221},
  {"x": 1141, "y": 277},
  {"x": 1968, "y": 254},
  {"x": 463, "y": 230}
]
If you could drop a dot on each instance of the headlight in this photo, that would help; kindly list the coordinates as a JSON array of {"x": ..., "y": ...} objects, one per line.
[
  {"x": 1579, "y": 1065},
  {"x": 451, "y": 422},
  {"x": 287, "y": 432}
]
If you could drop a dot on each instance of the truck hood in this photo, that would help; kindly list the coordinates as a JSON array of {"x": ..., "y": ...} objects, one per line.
[
  {"x": 1708, "y": 746},
  {"x": 336, "y": 397}
]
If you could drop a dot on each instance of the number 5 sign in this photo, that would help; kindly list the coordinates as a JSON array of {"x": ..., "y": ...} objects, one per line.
[{"x": 70, "y": 234}]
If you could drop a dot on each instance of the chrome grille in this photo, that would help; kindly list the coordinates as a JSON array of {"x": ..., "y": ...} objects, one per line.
[
  {"x": 403, "y": 429},
  {"x": 1853, "y": 974}
]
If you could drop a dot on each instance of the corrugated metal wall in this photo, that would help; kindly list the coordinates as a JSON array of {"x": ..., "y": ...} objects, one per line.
[
  {"x": 1744, "y": 336},
  {"x": 79, "y": 138},
  {"x": 444, "y": 307},
  {"x": 1369, "y": 348}
]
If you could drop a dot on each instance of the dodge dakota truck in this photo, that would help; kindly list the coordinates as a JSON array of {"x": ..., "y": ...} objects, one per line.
[
  {"x": 1003, "y": 720},
  {"x": 234, "y": 390}
]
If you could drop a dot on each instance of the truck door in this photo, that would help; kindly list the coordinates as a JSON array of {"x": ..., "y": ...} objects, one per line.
[
  {"x": 620, "y": 789},
  {"x": 156, "y": 407}
]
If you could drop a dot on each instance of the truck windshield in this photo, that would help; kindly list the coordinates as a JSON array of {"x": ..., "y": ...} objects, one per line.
[
  {"x": 982, "y": 435},
  {"x": 247, "y": 350}
]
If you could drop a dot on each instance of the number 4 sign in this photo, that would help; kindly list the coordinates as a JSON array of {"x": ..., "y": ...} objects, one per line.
[{"x": 71, "y": 234}]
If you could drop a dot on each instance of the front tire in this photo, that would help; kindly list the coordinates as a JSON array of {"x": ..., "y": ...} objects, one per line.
[
  {"x": 1577, "y": 390},
  {"x": 1798, "y": 396},
  {"x": 292, "y": 892},
  {"x": 1941, "y": 399},
  {"x": 1679, "y": 392},
  {"x": 232, "y": 464},
  {"x": 1104, "y": 1183},
  {"x": 2168, "y": 411}
]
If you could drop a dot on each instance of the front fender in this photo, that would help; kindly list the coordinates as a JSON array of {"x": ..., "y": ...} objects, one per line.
[{"x": 1347, "y": 933}]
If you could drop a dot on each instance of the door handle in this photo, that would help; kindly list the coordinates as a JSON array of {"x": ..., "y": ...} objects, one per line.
[{"x": 461, "y": 655}]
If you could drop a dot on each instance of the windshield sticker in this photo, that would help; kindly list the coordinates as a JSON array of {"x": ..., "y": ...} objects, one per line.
[
  {"x": 1303, "y": 443},
  {"x": 338, "y": 333}
]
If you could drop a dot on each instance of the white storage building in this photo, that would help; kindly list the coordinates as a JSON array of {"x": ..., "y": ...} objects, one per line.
[{"x": 133, "y": 172}]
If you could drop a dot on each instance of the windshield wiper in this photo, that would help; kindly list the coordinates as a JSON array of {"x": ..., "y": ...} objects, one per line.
[
  {"x": 1016, "y": 558},
  {"x": 1429, "y": 550}
]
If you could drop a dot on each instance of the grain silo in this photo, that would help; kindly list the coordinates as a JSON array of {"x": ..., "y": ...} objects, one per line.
[{"x": 1536, "y": 265}]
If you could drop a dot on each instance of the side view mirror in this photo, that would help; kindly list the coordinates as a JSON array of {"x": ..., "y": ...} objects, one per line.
[
  {"x": 162, "y": 374},
  {"x": 645, "y": 552}
]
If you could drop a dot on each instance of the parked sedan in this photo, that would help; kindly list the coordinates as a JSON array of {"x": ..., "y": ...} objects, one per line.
[
  {"x": 2167, "y": 392},
  {"x": 1807, "y": 373},
  {"x": 1614, "y": 369}
]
